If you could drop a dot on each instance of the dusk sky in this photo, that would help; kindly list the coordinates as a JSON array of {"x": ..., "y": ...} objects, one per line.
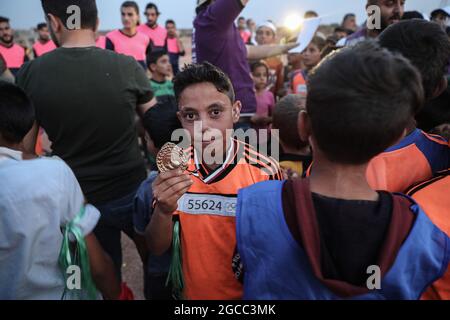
[{"x": 27, "y": 13}]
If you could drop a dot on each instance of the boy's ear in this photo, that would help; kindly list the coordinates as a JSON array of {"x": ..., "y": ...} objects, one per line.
[
  {"x": 304, "y": 126},
  {"x": 179, "y": 116},
  {"x": 54, "y": 23},
  {"x": 441, "y": 87},
  {"x": 236, "y": 111}
]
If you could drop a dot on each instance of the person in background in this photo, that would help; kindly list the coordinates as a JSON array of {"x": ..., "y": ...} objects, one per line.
[
  {"x": 14, "y": 54},
  {"x": 5, "y": 74},
  {"x": 43, "y": 44},
  {"x": 349, "y": 23},
  {"x": 264, "y": 98},
  {"x": 243, "y": 31},
  {"x": 266, "y": 34},
  {"x": 129, "y": 40},
  {"x": 152, "y": 29},
  {"x": 408, "y": 15},
  {"x": 161, "y": 69},
  {"x": 295, "y": 156},
  {"x": 175, "y": 46},
  {"x": 441, "y": 17},
  {"x": 391, "y": 12},
  {"x": 311, "y": 57},
  {"x": 100, "y": 41},
  {"x": 251, "y": 26}
]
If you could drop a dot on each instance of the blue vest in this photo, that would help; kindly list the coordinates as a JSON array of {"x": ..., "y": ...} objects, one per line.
[{"x": 277, "y": 268}]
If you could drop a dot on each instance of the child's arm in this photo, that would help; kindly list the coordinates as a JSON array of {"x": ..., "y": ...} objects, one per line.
[
  {"x": 168, "y": 188},
  {"x": 102, "y": 269}
]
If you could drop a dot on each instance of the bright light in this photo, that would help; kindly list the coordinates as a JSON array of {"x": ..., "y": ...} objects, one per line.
[{"x": 293, "y": 21}]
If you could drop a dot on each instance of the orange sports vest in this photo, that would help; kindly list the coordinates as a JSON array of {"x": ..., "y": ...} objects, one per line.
[{"x": 433, "y": 197}]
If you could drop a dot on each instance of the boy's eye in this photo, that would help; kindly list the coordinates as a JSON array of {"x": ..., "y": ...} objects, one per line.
[
  {"x": 216, "y": 113},
  {"x": 189, "y": 116}
]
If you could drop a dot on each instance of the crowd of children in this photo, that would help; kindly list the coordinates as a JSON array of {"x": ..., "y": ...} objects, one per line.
[{"x": 354, "y": 206}]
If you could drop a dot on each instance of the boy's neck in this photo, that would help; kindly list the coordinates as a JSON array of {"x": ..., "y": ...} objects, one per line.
[
  {"x": 260, "y": 91},
  {"x": 158, "y": 77},
  {"x": 83, "y": 38},
  {"x": 129, "y": 31},
  {"x": 341, "y": 181}
]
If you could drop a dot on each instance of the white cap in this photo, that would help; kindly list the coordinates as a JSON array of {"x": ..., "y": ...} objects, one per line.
[{"x": 270, "y": 25}]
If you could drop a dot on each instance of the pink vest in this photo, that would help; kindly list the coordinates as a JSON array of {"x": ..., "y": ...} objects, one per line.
[
  {"x": 172, "y": 45},
  {"x": 101, "y": 42},
  {"x": 157, "y": 35},
  {"x": 41, "y": 49},
  {"x": 135, "y": 46},
  {"x": 14, "y": 56}
]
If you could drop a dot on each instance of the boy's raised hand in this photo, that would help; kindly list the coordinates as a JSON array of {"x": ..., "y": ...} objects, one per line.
[{"x": 168, "y": 188}]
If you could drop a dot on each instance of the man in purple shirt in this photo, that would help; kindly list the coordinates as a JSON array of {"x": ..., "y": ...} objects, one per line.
[{"x": 217, "y": 40}]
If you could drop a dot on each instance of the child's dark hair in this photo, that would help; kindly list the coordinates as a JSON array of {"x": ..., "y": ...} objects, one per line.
[
  {"x": 258, "y": 64},
  {"x": 425, "y": 44},
  {"x": 285, "y": 116},
  {"x": 4, "y": 19},
  {"x": 88, "y": 8},
  {"x": 161, "y": 121},
  {"x": 319, "y": 42},
  {"x": 155, "y": 55},
  {"x": 170, "y": 21},
  {"x": 203, "y": 73},
  {"x": 41, "y": 26},
  {"x": 151, "y": 5},
  {"x": 17, "y": 113},
  {"x": 360, "y": 101}
]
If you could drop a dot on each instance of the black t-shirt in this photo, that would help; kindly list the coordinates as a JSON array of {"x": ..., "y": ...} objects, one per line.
[
  {"x": 352, "y": 232},
  {"x": 86, "y": 99}
]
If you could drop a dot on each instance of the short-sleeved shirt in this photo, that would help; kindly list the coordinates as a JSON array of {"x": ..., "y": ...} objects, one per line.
[
  {"x": 86, "y": 100},
  {"x": 157, "y": 35},
  {"x": 218, "y": 41},
  {"x": 207, "y": 217},
  {"x": 37, "y": 198},
  {"x": 142, "y": 210},
  {"x": 162, "y": 88}
]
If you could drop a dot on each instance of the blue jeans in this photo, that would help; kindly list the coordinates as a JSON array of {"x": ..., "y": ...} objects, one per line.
[{"x": 116, "y": 216}]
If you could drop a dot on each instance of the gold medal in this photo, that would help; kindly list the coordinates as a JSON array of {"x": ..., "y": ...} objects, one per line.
[{"x": 171, "y": 157}]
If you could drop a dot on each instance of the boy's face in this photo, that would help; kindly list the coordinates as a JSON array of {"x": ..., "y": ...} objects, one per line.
[
  {"x": 44, "y": 34},
  {"x": 311, "y": 56},
  {"x": 171, "y": 30},
  {"x": 241, "y": 24},
  {"x": 260, "y": 77},
  {"x": 6, "y": 33},
  {"x": 162, "y": 66},
  {"x": 265, "y": 35},
  {"x": 391, "y": 11},
  {"x": 130, "y": 17},
  {"x": 202, "y": 103},
  {"x": 152, "y": 17},
  {"x": 350, "y": 23}
]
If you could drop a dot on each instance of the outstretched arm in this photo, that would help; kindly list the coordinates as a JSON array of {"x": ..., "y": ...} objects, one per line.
[{"x": 267, "y": 51}]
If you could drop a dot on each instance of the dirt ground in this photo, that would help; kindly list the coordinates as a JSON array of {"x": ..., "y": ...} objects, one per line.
[{"x": 132, "y": 268}]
